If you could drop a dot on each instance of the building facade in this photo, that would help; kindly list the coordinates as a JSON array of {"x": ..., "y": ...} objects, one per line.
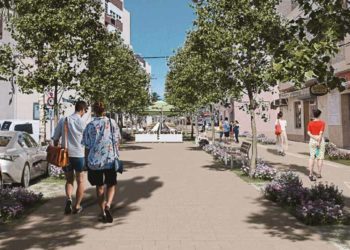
[
  {"x": 27, "y": 107},
  {"x": 117, "y": 18},
  {"x": 298, "y": 104}
]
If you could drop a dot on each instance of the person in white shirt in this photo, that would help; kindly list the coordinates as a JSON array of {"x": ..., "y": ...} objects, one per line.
[
  {"x": 75, "y": 126},
  {"x": 282, "y": 139}
]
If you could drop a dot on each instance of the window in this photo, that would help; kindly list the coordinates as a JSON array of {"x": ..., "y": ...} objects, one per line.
[
  {"x": 6, "y": 126},
  {"x": 106, "y": 7},
  {"x": 36, "y": 111},
  {"x": 113, "y": 14},
  {"x": 24, "y": 141},
  {"x": 297, "y": 114},
  {"x": 32, "y": 141}
]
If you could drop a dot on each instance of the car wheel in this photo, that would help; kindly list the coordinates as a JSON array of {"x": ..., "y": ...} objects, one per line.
[{"x": 25, "y": 176}]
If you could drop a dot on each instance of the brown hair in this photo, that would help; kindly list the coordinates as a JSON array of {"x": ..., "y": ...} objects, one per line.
[
  {"x": 317, "y": 113},
  {"x": 80, "y": 106},
  {"x": 280, "y": 115},
  {"x": 98, "y": 108}
]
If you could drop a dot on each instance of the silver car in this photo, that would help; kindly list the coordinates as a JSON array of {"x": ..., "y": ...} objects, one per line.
[{"x": 21, "y": 158}]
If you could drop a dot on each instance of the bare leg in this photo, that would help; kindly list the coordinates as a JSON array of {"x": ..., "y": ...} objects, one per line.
[
  {"x": 69, "y": 184},
  {"x": 320, "y": 165},
  {"x": 282, "y": 142},
  {"x": 311, "y": 166},
  {"x": 278, "y": 142},
  {"x": 80, "y": 177},
  {"x": 101, "y": 197},
  {"x": 110, "y": 195}
]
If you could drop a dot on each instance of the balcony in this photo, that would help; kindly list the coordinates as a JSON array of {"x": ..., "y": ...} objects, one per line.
[
  {"x": 118, "y": 4},
  {"x": 115, "y": 23}
]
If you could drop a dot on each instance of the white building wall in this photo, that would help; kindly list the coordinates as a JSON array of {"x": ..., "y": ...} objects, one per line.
[{"x": 126, "y": 34}]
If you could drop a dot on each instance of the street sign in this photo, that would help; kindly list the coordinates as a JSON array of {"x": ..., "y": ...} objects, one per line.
[
  {"x": 319, "y": 89},
  {"x": 50, "y": 101}
]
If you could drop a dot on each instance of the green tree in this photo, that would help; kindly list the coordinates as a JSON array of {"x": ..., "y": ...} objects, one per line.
[
  {"x": 193, "y": 81},
  {"x": 155, "y": 97},
  {"x": 54, "y": 38},
  {"x": 121, "y": 83},
  {"x": 254, "y": 47}
]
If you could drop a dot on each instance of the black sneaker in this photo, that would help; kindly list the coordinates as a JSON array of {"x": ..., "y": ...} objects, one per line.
[
  {"x": 109, "y": 217},
  {"x": 312, "y": 178},
  {"x": 77, "y": 210},
  {"x": 68, "y": 209}
]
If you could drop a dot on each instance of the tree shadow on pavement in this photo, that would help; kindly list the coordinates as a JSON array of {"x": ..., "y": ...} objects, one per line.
[
  {"x": 132, "y": 164},
  {"x": 48, "y": 228},
  {"x": 131, "y": 147},
  {"x": 278, "y": 222},
  {"x": 273, "y": 151},
  {"x": 293, "y": 167},
  {"x": 217, "y": 166},
  {"x": 195, "y": 149}
]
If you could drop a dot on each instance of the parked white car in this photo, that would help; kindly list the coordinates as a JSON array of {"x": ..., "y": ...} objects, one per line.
[
  {"x": 31, "y": 127},
  {"x": 21, "y": 158}
]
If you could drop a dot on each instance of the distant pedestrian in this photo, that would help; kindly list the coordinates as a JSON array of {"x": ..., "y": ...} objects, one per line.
[
  {"x": 226, "y": 127},
  {"x": 317, "y": 145},
  {"x": 72, "y": 128},
  {"x": 281, "y": 133},
  {"x": 221, "y": 130},
  {"x": 236, "y": 131},
  {"x": 101, "y": 143}
]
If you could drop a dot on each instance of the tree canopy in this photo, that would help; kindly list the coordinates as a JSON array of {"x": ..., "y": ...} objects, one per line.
[{"x": 251, "y": 48}]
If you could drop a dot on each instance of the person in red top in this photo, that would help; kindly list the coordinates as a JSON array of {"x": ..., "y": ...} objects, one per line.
[{"x": 317, "y": 144}]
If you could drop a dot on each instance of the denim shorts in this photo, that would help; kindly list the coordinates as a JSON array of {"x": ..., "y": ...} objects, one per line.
[{"x": 75, "y": 163}]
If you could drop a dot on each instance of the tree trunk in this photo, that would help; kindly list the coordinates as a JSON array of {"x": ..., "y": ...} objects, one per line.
[
  {"x": 254, "y": 156},
  {"x": 197, "y": 129},
  {"x": 132, "y": 125},
  {"x": 212, "y": 120},
  {"x": 120, "y": 122},
  {"x": 192, "y": 127},
  {"x": 56, "y": 107},
  {"x": 42, "y": 129}
]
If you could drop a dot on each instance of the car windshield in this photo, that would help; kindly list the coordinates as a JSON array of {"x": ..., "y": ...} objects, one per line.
[{"x": 4, "y": 140}]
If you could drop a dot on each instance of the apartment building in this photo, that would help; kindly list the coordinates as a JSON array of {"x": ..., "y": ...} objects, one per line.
[
  {"x": 297, "y": 104},
  {"x": 27, "y": 107},
  {"x": 117, "y": 18}
]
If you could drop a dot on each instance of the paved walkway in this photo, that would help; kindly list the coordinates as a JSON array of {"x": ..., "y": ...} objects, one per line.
[
  {"x": 171, "y": 197},
  {"x": 296, "y": 159}
]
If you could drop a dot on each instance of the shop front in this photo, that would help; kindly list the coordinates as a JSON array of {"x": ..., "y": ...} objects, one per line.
[{"x": 335, "y": 107}]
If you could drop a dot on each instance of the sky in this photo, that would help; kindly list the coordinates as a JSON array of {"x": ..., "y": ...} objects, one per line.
[{"x": 158, "y": 27}]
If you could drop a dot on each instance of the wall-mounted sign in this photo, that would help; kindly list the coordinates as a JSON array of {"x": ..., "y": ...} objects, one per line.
[
  {"x": 301, "y": 94},
  {"x": 319, "y": 89}
]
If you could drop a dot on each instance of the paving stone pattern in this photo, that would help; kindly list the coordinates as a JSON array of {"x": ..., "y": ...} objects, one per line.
[{"x": 172, "y": 196}]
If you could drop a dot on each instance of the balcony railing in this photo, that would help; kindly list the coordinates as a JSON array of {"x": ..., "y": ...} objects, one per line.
[{"x": 115, "y": 23}]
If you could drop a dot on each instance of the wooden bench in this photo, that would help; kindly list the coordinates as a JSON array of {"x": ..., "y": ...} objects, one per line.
[{"x": 242, "y": 153}]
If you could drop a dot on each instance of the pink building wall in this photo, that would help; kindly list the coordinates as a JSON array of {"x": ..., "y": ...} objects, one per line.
[{"x": 263, "y": 127}]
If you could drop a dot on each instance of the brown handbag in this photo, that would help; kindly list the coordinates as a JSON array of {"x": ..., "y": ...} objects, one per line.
[{"x": 57, "y": 155}]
